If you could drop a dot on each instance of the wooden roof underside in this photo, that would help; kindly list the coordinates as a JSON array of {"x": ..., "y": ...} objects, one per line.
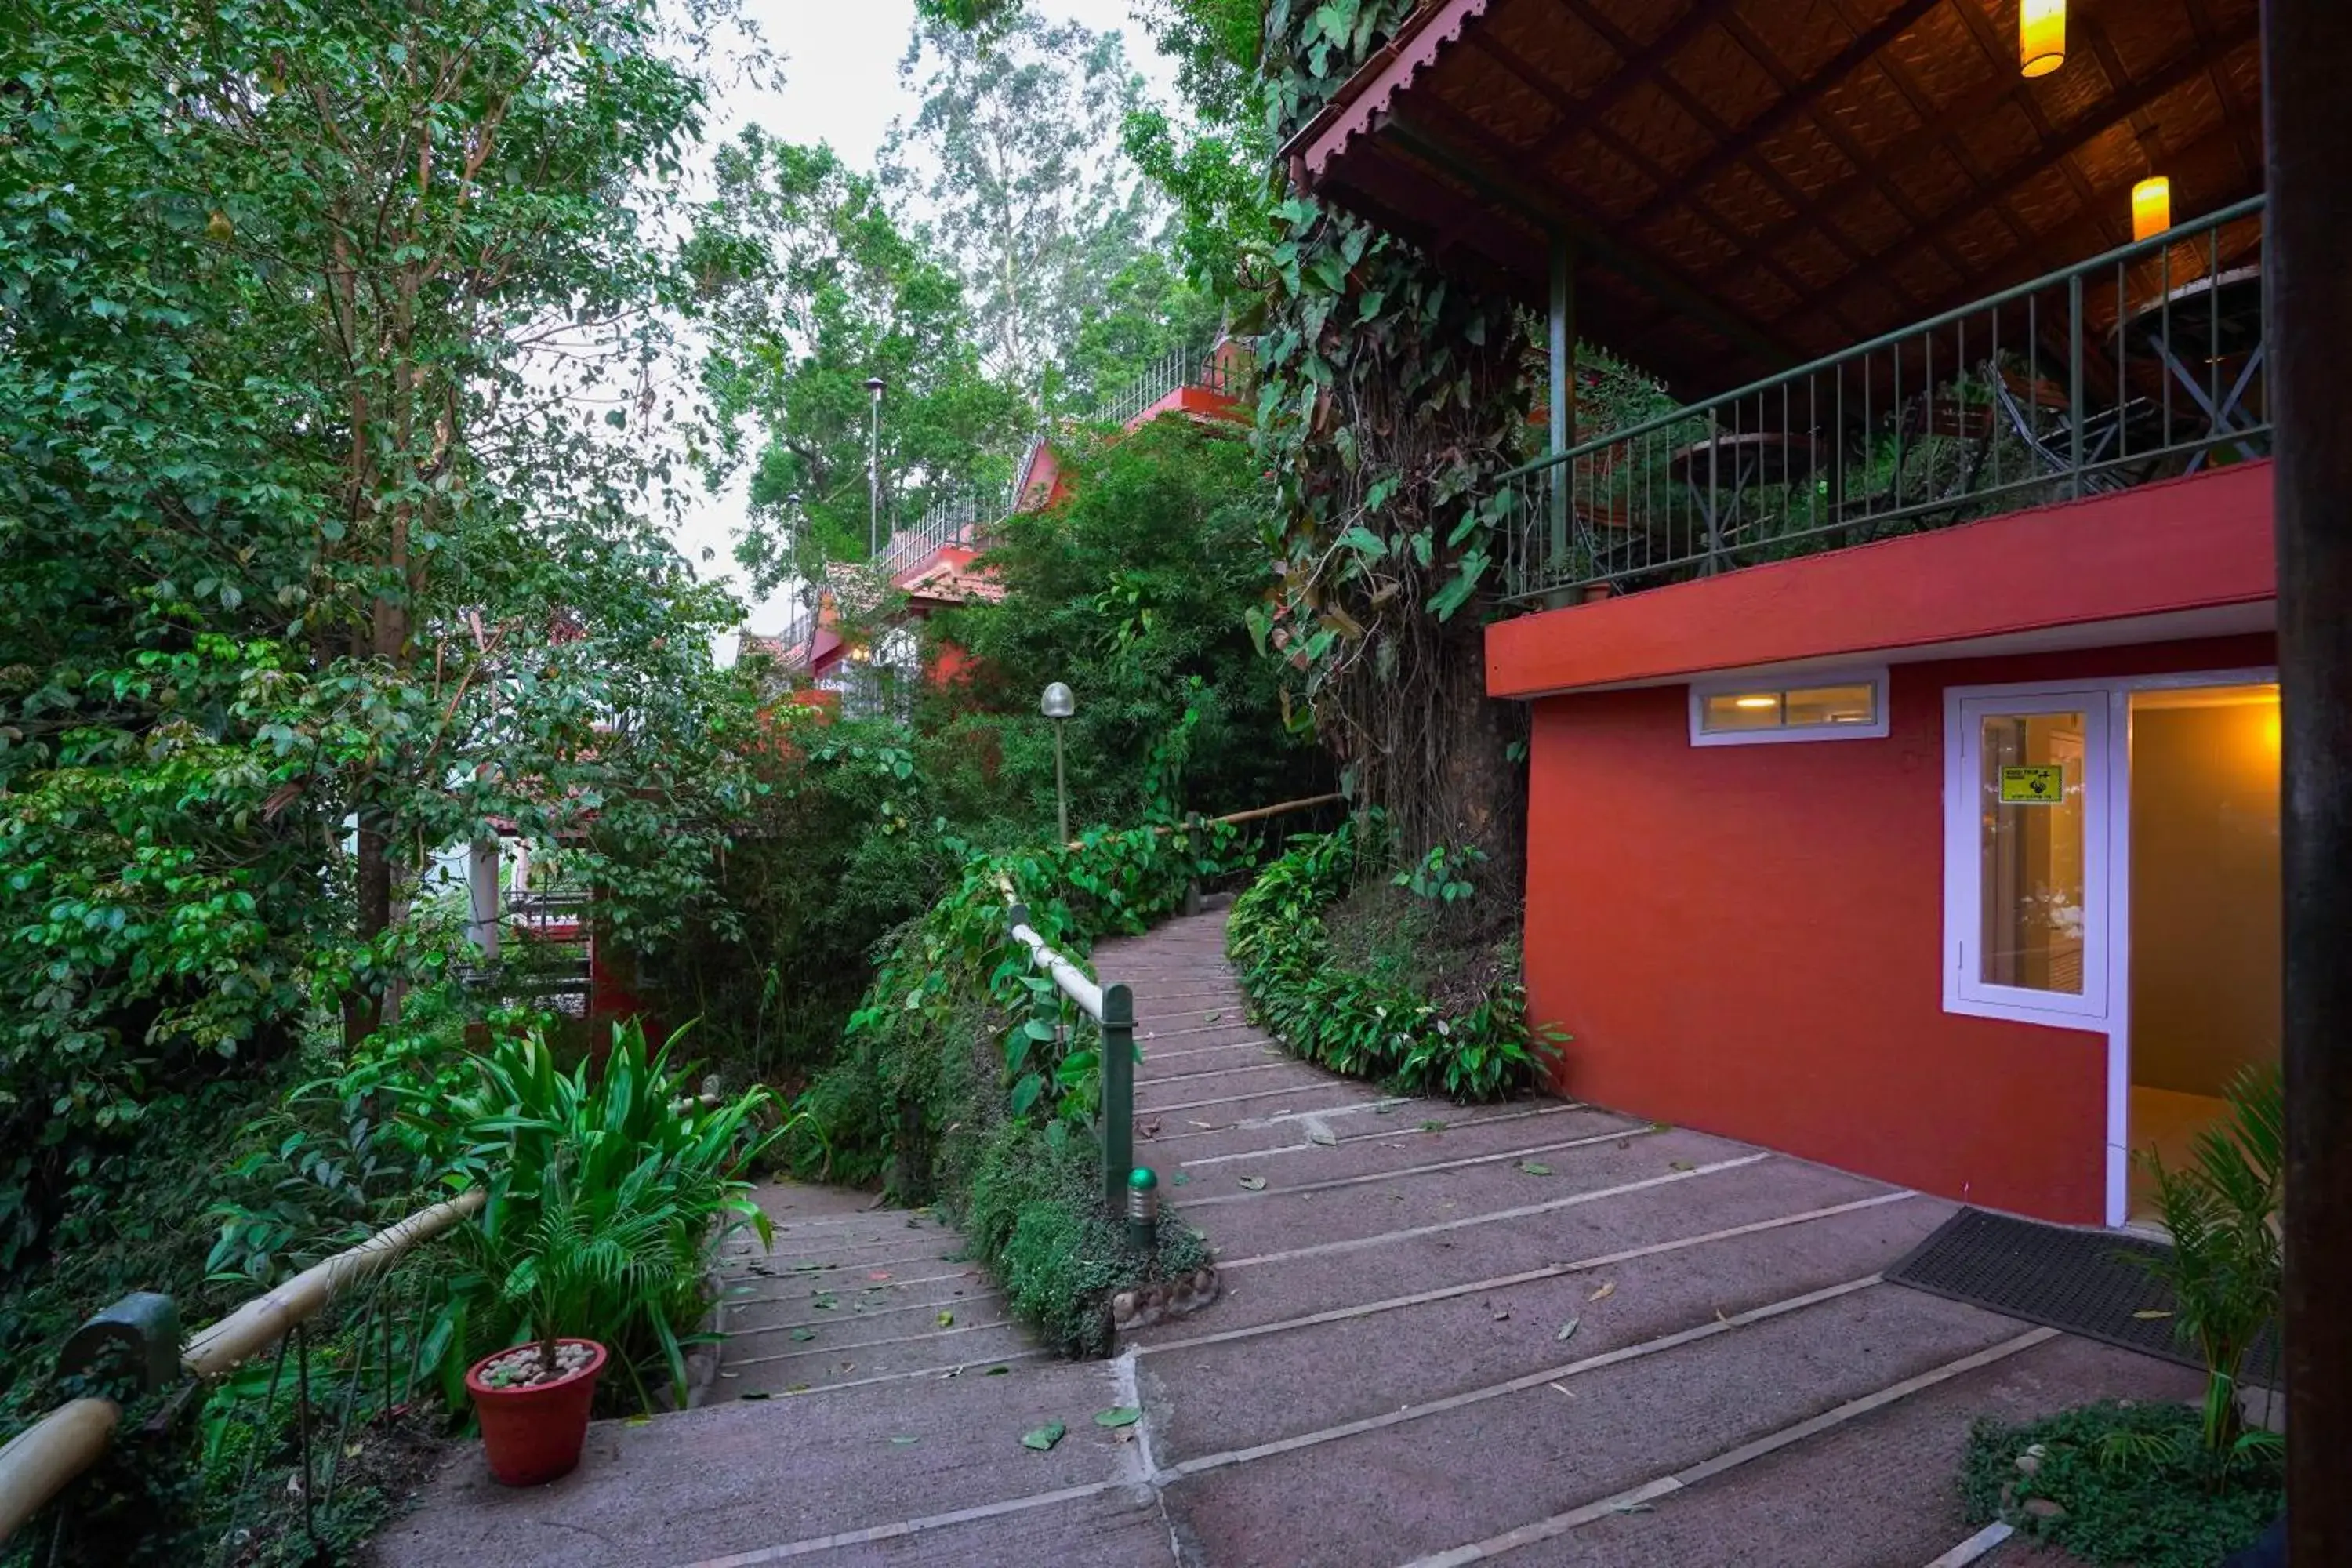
[{"x": 1752, "y": 184}]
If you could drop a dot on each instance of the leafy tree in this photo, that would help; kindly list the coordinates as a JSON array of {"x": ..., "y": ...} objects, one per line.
[
  {"x": 1016, "y": 149},
  {"x": 328, "y": 414},
  {"x": 1133, "y": 591},
  {"x": 812, "y": 286}
]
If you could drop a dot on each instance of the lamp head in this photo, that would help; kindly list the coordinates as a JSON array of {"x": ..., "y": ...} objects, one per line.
[{"x": 1057, "y": 702}]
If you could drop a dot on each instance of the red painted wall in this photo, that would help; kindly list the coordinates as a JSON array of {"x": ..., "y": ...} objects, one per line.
[
  {"x": 2189, "y": 544},
  {"x": 1748, "y": 940}
]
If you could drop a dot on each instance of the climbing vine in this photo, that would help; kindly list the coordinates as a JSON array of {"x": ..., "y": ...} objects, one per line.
[{"x": 1389, "y": 394}]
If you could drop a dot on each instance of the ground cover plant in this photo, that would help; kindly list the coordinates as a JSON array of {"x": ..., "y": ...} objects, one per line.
[
  {"x": 965, "y": 1077},
  {"x": 1403, "y": 992}
]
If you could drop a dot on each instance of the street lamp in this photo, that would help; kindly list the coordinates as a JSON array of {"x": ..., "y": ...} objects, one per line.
[
  {"x": 1057, "y": 704},
  {"x": 874, "y": 385}
]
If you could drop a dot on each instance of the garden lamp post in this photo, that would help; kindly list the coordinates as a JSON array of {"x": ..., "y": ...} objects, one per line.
[
  {"x": 874, "y": 385},
  {"x": 1057, "y": 704}
]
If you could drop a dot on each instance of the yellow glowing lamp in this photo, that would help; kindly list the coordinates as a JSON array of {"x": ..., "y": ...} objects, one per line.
[
  {"x": 2041, "y": 36},
  {"x": 1756, "y": 702},
  {"x": 2151, "y": 207}
]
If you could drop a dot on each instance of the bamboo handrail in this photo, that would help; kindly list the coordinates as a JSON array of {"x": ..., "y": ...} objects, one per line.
[
  {"x": 39, "y": 1462},
  {"x": 265, "y": 1319},
  {"x": 1233, "y": 819}
]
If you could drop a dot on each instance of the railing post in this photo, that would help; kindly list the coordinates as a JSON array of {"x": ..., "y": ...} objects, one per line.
[
  {"x": 1118, "y": 1095},
  {"x": 2074, "y": 377}
]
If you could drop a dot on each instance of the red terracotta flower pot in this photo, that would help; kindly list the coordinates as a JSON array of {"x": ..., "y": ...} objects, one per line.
[{"x": 534, "y": 1434}]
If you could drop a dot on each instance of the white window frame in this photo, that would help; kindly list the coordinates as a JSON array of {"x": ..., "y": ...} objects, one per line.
[
  {"x": 1964, "y": 708},
  {"x": 2114, "y": 963},
  {"x": 1874, "y": 676}
]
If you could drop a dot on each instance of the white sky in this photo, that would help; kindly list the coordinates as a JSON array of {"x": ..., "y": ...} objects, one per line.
[{"x": 840, "y": 66}]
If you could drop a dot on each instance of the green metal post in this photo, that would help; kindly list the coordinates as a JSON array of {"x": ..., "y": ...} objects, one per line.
[
  {"x": 1142, "y": 1209},
  {"x": 1117, "y": 1093},
  {"x": 1563, "y": 394},
  {"x": 2074, "y": 389}
]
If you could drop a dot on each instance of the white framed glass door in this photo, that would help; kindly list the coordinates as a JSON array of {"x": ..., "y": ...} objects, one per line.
[{"x": 2027, "y": 841}]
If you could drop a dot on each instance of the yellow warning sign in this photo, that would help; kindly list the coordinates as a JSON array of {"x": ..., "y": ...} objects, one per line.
[{"x": 2036, "y": 783}]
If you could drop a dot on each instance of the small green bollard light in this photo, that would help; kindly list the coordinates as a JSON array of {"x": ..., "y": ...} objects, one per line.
[{"x": 1142, "y": 1209}]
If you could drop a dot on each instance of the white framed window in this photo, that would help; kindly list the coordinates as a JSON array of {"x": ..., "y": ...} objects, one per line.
[
  {"x": 1829, "y": 705},
  {"x": 2027, "y": 841}
]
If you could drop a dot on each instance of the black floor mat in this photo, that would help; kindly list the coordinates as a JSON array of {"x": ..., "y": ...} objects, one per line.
[{"x": 2082, "y": 1281}]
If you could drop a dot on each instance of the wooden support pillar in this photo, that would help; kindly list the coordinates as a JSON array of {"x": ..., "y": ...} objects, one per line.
[{"x": 2306, "y": 59}]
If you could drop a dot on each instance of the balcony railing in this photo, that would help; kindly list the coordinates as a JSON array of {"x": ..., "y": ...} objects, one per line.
[
  {"x": 1186, "y": 365},
  {"x": 2143, "y": 364}
]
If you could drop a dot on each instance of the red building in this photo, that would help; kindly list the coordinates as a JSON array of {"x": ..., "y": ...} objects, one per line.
[
  {"x": 1904, "y": 785},
  {"x": 934, "y": 563}
]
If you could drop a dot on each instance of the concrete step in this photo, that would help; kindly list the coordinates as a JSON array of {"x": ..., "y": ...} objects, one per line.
[
  {"x": 1253, "y": 1389},
  {"x": 1278, "y": 1220},
  {"x": 1296, "y": 1285},
  {"x": 1878, "y": 1491},
  {"x": 1374, "y": 1496},
  {"x": 746, "y": 1476}
]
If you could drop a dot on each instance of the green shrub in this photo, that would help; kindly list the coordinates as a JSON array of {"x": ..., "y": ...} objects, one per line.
[
  {"x": 965, "y": 1076},
  {"x": 2225, "y": 1267},
  {"x": 1034, "y": 1211},
  {"x": 1373, "y": 1021},
  {"x": 610, "y": 1192},
  {"x": 2134, "y": 1481}
]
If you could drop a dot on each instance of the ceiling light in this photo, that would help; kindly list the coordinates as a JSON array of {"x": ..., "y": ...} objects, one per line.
[{"x": 2041, "y": 37}]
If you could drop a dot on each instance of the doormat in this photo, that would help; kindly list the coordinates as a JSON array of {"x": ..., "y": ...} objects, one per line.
[{"x": 2082, "y": 1281}]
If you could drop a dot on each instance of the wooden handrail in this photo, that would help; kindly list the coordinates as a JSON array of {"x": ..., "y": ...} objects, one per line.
[
  {"x": 39, "y": 1461},
  {"x": 1230, "y": 818}
]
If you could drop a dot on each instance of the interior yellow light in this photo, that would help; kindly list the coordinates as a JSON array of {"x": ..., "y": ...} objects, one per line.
[
  {"x": 2151, "y": 207},
  {"x": 1756, "y": 702},
  {"x": 2041, "y": 36}
]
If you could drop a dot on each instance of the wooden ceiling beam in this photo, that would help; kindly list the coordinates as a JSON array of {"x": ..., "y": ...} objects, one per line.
[
  {"x": 1631, "y": 72},
  {"x": 1513, "y": 157},
  {"x": 1795, "y": 100},
  {"x": 1714, "y": 126},
  {"x": 2000, "y": 53},
  {"x": 1924, "y": 106},
  {"x": 1548, "y": 213},
  {"x": 1771, "y": 64},
  {"x": 2115, "y": 111}
]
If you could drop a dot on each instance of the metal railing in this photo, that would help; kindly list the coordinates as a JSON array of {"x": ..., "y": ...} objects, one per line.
[
  {"x": 1112, "y": 1008},
  {"x": 366, "y": 1369},
  {"x": 956, "y": 521},
  {"x": 1185, "y": 365},
  {"x": 2142, "y": 363}
]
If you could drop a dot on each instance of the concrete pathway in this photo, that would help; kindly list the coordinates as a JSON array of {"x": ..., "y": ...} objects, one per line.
[{"x": 1537, "y": 1332}]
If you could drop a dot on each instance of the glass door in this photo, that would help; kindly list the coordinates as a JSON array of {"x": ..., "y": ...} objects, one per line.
[{"x": 2027, "y": 921}]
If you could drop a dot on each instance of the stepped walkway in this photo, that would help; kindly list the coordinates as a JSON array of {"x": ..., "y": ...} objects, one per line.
[{"x": 1535, "y": 1333}]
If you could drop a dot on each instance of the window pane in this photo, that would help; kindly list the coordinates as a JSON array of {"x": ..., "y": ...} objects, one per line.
[
  {"x": 1855, "y": 704},
  {"x": 1741, "y": 711},
  {"x": 2032, "y": 814}
]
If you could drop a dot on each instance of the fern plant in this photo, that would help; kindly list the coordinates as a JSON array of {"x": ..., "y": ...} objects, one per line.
[{"x": 2225, "y": 1265}]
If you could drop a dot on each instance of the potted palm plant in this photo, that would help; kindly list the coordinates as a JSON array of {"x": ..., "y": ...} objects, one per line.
[{"x": 579, "y": 1264}]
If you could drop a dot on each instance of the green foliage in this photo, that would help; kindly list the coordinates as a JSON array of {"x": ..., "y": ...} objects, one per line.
[
  {"x": 300, "y": 527},
  {"x": 1368, "y": 1023},
  {"x": 1133, "y": 591},
  {"x": 1440, "y": 876},
  {"x": 1034, "y": 1210},
  {"x": 812, "y": 286},
  {"x": 2225, "y": 1265},
  {"x": 962, "y": 1074},
  {"x": 610, "y": 1192},
  {"x": 1015, "y": 150},
  {"x": 2136, "y": 1482}
]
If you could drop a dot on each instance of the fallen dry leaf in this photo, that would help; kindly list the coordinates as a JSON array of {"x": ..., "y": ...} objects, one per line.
[
  {"x": 2150, "y": 1315},
  {"x": 1608, "y": 1288},
  {"x": 1254, "y": 1184}
]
